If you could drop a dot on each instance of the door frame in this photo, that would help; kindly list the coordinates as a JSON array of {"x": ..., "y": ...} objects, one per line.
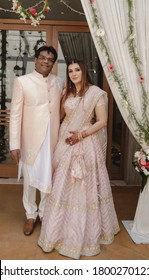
[{"x": 52, "y": 28}]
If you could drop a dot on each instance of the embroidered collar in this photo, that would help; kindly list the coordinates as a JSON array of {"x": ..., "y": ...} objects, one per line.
[{"x": 40, "y": 76}]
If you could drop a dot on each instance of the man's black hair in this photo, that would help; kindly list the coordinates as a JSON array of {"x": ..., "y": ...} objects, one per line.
[{"x": 48, "y": 49}]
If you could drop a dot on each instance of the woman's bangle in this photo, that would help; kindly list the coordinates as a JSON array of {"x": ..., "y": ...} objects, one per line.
[
  {"x": 80, "y": 136},
  {"x": 84, "y": 134}
]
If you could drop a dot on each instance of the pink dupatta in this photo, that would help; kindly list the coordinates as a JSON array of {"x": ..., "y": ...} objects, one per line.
[{"x": 84, "y": 109}]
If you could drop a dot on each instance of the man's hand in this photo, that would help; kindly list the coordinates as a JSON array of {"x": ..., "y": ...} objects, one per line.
[{"x": 15, "y": 155}]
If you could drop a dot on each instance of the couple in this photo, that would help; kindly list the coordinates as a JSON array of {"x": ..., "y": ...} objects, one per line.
[{"x": 79, "y": 213}]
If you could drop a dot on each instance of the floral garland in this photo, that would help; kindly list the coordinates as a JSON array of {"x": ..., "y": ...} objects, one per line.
[
  {"x": 141, "y": 158},
  {"x": 133, "y": 53},
  {"x": 70, "y": 8},
  {"x": 31, "y": 13},
  {"x": 142, "y": 126}
]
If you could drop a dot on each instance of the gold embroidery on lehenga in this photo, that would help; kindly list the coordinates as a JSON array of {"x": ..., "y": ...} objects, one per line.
[
  {"x": 105, "y": 199},
  {"x": 109, "y": 237},
  {"x": 59, "y": 246},
  {"x": 90, "y": 207},
  {"x": 62, "y": 204}
]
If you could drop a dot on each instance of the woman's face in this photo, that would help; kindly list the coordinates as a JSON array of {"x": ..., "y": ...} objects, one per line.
[{"x": 75, "y": 73}]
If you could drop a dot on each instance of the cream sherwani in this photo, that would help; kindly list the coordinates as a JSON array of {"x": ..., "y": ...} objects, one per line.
[
  {"x": 35, "y": 99},
  {"x": 34, "y": 123}
]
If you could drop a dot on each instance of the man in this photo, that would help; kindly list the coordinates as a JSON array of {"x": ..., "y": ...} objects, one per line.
[{"x": 34, "y": 125}]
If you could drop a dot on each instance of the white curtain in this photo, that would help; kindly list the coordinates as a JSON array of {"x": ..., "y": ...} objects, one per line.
[{"x": 120, "y": 30}]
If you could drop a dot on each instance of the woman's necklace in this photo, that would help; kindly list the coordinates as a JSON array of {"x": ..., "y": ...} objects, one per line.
[{"x": 77, "y": 93}]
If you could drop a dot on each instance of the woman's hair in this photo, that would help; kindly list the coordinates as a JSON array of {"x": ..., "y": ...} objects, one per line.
[
  {"x": 86, "y": 80},
  {"x": 48, "y": 49}
]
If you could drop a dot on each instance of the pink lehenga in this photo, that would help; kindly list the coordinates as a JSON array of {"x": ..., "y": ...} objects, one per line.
[{"x": 79, "y": 213}]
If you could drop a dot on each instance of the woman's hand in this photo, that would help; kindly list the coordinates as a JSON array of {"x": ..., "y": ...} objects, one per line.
[{"x": 73, "y": 139}]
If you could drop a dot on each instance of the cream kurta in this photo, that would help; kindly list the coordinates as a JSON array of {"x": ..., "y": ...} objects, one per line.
[{"x": 35, "y": 100}]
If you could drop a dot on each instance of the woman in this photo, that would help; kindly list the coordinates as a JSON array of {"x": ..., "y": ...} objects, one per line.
[{"x": 79, "y": 213}]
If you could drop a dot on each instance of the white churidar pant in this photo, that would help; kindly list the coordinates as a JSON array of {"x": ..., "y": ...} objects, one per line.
[{"x": 37, "y": 176}]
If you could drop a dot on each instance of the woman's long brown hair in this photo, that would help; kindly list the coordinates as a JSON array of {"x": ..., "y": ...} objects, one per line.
[{"x": 86, "y": 80}]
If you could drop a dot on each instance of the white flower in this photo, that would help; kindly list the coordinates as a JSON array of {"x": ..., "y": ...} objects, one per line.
[
  {"x": 124, "y": 103},
  {"x": 136, "y": 168},
  {"x": 143, "y": 157},
  {"x": 15, "y": 4},
  {"x": 19, "y": 11},
  {"x": 137, "y": 155},
  {"x": 143, "y": 168},
  {"x": 22, "y": 18},
  {"x": 23, "y": 15},
  {"x": 132, "y": 36},
  {"x": 147, "y": 153},
  {"x": 146, "y": 172},
  {"x": 34, "y": 21},
  {"x": 100, "y": 32},
  {"x": 42, "y": 16},
  {"x": 14, "y": 7}
]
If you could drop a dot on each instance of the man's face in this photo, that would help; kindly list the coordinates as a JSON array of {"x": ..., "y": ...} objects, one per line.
[{"x": 44, "y": 63}]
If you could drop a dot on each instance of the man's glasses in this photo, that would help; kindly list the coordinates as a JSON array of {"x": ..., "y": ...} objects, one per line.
[{"x": 44, "y": 58}]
